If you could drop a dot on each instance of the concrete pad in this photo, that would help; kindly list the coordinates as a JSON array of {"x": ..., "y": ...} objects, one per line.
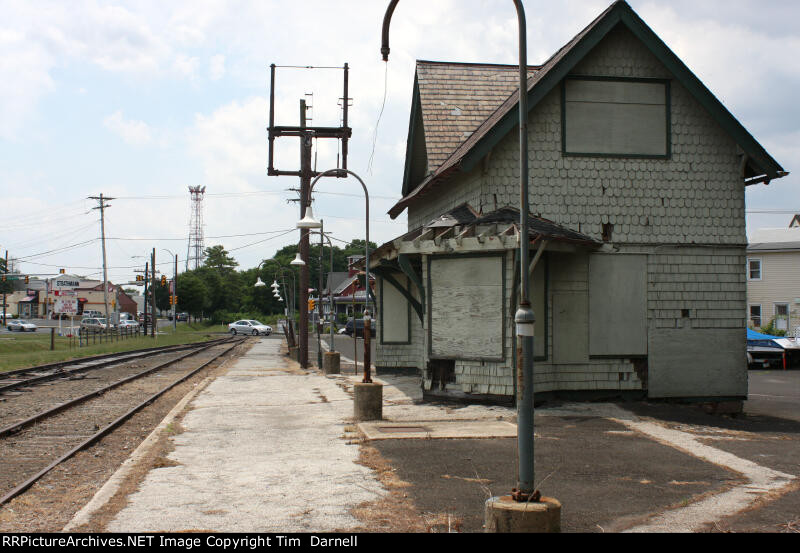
[{"x": 438, "y": 430}]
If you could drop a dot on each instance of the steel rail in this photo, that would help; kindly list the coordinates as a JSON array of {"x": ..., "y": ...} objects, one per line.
[
  {"x": 103, "y": 432},
  {"x": 58, "y": 364},
  {"x": 111, "y": 360},
  {"x": 16, "y": 427}
]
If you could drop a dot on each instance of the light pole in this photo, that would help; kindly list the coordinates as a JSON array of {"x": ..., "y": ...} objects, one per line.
[
  {"x": 524, "y": 317},
  {"x": 174, "y": 293},
  {"x": 322, "y": 235},
  {"x": 308, "y": 222},
  {"x": 282, "y": 271}
]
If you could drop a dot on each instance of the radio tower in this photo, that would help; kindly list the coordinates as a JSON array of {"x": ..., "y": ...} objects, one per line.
[{"x": 195, "y": 249}]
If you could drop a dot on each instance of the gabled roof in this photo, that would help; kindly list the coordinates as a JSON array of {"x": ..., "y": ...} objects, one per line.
[
  {"x": 451, "y": 100},
  {"x": 761, "y": 166},
  {"x": 334, "y": 280}
]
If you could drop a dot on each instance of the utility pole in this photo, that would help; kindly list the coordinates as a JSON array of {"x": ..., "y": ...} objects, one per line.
[
  {"x": 146, "y": 275},
  {"x": 305, "y": 201},
  {"x": 5, "y": 271},
  {"x": 153, "y": 295},
  {"x": 175, "y": 295},
  {"x": 101, "y": 205},
  {"x": 306, "y": 134}
]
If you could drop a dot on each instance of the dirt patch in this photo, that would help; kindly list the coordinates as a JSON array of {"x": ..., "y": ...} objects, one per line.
[
  {"x": 396, "y": 512},
  {"x": 54, "y": 500}
]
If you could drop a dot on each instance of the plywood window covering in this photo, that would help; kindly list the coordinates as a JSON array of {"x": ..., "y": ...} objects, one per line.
[
  {"x": 466, "y": 307},
  {"x": 616, "y": 117},
  {"x": 395, "y": 313},
  {"x": 617, "y": 305}
]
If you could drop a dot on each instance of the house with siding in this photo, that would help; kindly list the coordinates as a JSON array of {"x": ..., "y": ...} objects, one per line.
[
  {"x": 773, "y": 279},
  {"x": 637, "y": 226}
]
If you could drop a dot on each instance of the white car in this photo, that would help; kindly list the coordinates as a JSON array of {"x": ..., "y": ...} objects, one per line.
[
  {"x": 22, "y": 326},
  {"x": 128, "y": 323},
  {"x": 249, "y": 327}
]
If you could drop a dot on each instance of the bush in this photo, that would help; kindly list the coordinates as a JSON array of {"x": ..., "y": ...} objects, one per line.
[{"x": 771, "y": 330}]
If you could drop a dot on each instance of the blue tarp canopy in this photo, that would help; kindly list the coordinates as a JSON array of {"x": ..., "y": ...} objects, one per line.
[{"x": 756, "y": 339}]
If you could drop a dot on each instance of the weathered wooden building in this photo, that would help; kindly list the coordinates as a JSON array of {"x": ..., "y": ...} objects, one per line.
[{"x": 637, "y": 226}]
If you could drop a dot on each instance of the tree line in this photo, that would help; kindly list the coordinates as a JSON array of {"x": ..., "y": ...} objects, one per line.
[{"x": 220, "y": 291}]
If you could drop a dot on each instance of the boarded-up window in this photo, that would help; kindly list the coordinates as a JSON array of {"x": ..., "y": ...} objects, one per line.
[
  {"x": 466, "y": 307},
  {"x": 395, "y": 312},
  {"x": 617, "y": 305},
  {"x": 616, "y": 117}
]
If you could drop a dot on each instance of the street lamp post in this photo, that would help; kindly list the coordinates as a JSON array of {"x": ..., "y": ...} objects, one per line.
[
  {"x": 308, "y": 222},
  {"x": 524, "y": 317},
  {"x": 282, "y": 271},
  {"x": 330, "y": 294}
]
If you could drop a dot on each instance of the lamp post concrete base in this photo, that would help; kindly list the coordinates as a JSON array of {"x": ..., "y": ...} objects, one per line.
[
  {"x": 368, "y": 401},
  {"x": 330, "y": 362},
  {"x": 504, "y": 515}
]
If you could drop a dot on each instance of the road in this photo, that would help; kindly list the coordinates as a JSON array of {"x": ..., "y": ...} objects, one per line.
[{"x": 774, "y": 394}]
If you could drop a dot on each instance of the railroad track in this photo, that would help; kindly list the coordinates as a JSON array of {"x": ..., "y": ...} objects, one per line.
[
  {"x": 22, "y": 378},
  {"x": 33, "y": 446}
]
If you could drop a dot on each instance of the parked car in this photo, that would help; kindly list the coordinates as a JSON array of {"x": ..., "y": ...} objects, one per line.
[
  {"x": 359, "y": 326},
  {"x": 20, "y": 325},
  {"x": 249, "y": 327},
  {"x": 95, "y": 323},
  {"x": 182, "y": 317}
]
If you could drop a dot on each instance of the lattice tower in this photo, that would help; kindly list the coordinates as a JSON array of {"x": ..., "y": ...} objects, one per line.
[{"x": 196, "y": 246}]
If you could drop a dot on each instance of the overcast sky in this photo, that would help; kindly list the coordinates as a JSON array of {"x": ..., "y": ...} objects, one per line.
[{"x": 140, "y": 100}]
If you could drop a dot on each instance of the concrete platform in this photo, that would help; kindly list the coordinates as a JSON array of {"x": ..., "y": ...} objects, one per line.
[{"x": 261, "y": 451}]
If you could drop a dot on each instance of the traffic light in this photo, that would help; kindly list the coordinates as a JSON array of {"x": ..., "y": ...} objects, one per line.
[
  {"x": 170, "y": 300},
  {"x": 163, "y": 280},
  {"x": 4, "y": 278},
  {"x": 62, "y": 271},
  {"x": 27, "y": 279},
  {"x": 311, "y": 304}
]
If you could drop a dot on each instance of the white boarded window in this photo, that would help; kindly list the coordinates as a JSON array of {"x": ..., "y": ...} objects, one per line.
[
  {"x": 617, "y": 305},
  {"x": 616, "y": 117},
  {"x": 395, "y": 312},
  {"x": 466, "y": 310}
]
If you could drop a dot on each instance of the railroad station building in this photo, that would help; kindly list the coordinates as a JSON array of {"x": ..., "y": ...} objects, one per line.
[{"x": 637, "y": 226}]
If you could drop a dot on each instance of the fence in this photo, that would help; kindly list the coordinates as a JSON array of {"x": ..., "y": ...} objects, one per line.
[{"x": 90, "y": 336}]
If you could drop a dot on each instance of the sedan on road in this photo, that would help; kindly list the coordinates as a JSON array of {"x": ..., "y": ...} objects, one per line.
[
  {"x": 129, "y": 324},
  {"x": 22, "y": 326},
  {"x": 249, "y": 327}
]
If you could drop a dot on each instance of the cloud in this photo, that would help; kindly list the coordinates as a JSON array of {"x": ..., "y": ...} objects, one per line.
[
  {"x": 133, "y": 132},
  {"x": 216, "y": 69}
]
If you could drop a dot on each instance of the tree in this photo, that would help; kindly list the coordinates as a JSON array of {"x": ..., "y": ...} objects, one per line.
[
  {"x": 192, "y": 294},
  {"x": 217, "y": 257},
  {"x": 6, "y": 287}
]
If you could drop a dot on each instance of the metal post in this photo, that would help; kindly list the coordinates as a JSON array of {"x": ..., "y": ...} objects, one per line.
[
  {"x": 319, "y": 303},
  {"x": 146, "y": 283},
  {"x": 524, "y": 317},
  {"x": 367, "y": 353},
  {"x": 5, "y": 271}
]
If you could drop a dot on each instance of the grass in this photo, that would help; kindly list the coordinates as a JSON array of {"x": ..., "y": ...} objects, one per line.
[{"x": 20, "y": 350}]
